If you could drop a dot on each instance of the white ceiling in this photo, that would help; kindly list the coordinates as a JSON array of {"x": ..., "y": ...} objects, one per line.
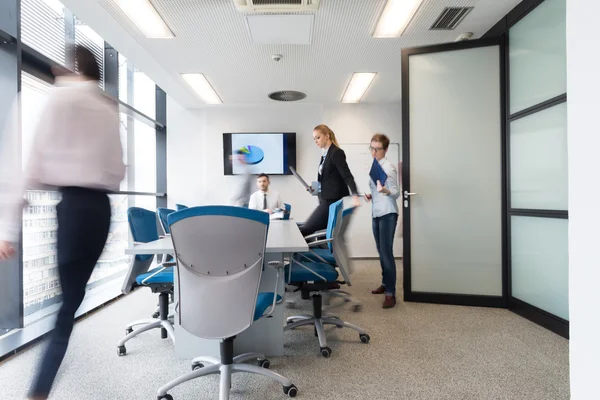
[{"x": 212, "y": 38}]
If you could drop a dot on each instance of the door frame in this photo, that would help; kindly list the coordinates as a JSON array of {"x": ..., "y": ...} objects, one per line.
[{"x": 450, "y": 298}]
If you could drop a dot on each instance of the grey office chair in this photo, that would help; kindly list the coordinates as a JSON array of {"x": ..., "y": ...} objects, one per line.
[{"x": 220, "y": 252}]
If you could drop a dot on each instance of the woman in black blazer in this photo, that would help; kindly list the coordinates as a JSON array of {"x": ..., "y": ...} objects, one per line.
[{"x": 334, "y": 176}]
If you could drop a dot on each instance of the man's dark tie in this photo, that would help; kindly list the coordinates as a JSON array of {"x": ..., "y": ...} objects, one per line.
[{"x": 265, "y": 202}]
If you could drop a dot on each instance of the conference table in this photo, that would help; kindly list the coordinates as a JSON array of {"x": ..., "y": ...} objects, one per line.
[{"x": 265, "y": 335}]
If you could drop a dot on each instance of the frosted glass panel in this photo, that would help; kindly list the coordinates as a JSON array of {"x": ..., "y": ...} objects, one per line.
[
  {"x": 455, "y": 167},
  {"x": 538, "y": 56},
  {"x": 540, "y": 263},
  {"x": 538, "y": 160}
]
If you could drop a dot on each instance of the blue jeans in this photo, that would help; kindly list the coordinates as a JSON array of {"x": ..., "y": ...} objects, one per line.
[{"x": 384, "y": 228}]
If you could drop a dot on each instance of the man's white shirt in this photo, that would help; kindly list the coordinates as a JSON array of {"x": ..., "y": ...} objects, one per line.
[{"x": 273, "y": 200}]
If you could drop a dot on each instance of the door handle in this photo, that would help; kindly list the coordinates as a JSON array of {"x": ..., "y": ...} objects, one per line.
[{"x": 407, "y": 193}]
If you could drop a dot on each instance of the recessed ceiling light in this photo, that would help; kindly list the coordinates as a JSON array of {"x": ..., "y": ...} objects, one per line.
[
  {"x": 357, "y": 87},
  {"x": 395, "y": 17},
  {"x": 143, "y": 14},
  {"x": 202, "y": 87}
]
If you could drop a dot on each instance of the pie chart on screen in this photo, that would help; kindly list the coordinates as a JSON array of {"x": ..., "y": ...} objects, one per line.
[{"x": 254, "y": 154}]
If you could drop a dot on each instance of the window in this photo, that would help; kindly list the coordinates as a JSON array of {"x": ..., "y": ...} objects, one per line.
[
  {"x": 140, "y": 148},
  {"x": 136, "y": 88},
  {"x": 47, "y": 31},
  {"x": 113, "y": 261}
]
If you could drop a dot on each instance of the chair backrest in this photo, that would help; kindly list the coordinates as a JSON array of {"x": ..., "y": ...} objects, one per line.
[
  {"x": 346, "y": 264},
  {"x": 163, "y": 213},
  {"x": 340, "y": 250},
  {"x": 288, "y": 210},
  {"x": 345, "y": 222},
  {"x": 179, "y": 207},
  {"x": 335, "y": 210},
  {"x": 142, "y": 225},
  {"x": 220, "y": 252}
]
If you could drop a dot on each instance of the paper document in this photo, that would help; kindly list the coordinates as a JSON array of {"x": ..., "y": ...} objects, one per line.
[
  {"x": 277, "y": 215},
  {"x": 314, "y": 185}
]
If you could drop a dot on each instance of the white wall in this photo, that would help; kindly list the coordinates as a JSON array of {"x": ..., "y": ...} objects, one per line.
[
  {"x": 583, "y": 85},
  {"x": 186, "y": 142},
  {"x": 195, "y": 145}
]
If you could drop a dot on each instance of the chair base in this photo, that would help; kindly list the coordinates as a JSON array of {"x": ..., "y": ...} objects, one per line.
[
  {"x": 328, "y": 295},
  {"x": 319, "y": 320},
  {"x": 346, "y": 298},
  {"x": 227, "y": 366},
  {"x": 164, "y": 322}
]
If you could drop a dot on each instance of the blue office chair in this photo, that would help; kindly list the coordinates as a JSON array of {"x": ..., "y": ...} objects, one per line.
[
  {"x": 142, "y": 224},
  {"x": 162, "y": 218},
  {"x": 179, "y": 207},
  {"x": 325, "y": 255},
  {"x": 312, "y": 278},
  {"x": 288, "y": 210},
  {"x": 220, "y": 255}
]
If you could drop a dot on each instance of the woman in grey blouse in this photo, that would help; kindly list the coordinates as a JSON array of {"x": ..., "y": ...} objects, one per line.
[{"x": 385, "y": 218}]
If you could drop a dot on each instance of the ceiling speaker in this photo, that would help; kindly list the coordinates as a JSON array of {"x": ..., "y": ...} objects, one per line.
[{"x": 287, "y": 95}]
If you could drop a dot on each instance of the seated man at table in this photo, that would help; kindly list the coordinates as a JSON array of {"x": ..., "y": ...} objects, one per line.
[{"x": 265, "y": 199}]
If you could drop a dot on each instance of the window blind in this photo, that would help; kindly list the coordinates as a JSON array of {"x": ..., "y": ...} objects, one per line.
[
  {"x": 86, "y": 37},
  {"x": 43, "y": 28}
]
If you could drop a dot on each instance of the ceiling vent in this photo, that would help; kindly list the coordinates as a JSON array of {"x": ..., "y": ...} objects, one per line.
[
  {"x": 287, "y": 95},
  {"x": 253, "y": 6},
  {"x": 450, "y": 18}
]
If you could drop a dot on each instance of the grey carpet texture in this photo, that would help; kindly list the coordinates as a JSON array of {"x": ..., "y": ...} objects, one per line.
[{"x": 417, "y": 352}]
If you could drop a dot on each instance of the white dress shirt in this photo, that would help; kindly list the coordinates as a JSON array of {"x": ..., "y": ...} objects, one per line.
[
  {"x": 273, "y": 200},
  {"x": 385, "y": 203},
  {"x": 77, "y": 143}
]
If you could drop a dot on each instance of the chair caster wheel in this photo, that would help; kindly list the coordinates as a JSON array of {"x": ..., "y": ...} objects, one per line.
[
  {"x": 264, "y": 364},
  {"x": 121, "y": 350},
  {"x": 165, "y": 397},
  {"x": 357, "y": 308},
  {"x": 128, "y": 331},
  {"x": 291, "y": 391},
  {"x": 326, "y": 352},
  {"x": 365, "y": 338},
  {"x": 196, "y": 366},
  {"x": 155, "y": 315}
]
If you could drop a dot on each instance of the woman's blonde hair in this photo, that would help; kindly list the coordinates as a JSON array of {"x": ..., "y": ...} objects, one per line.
[{"x": 325, "y": 130}]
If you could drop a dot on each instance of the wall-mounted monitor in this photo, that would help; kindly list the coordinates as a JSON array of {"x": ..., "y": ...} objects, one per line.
[{"x": 269, "y": 153}]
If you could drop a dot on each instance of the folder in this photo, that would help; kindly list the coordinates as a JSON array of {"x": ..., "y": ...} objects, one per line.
[
  {"x": 377, "y": 173},
  {"x": 314, "y": 185}
]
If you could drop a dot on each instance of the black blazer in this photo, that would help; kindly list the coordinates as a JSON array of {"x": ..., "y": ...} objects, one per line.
[{"x": 336, "y": 177}]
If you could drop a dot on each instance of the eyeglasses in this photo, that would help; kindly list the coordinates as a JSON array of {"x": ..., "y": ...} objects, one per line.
[{"x": 371, "y": 148}]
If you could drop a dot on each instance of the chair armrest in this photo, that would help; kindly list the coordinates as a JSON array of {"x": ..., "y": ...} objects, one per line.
[
  {"x": 319, "y": 242},
  {"x": 168, "y": 264},
  {"x": 315, "y": 235},
  {"x": 163, "y": 266}
]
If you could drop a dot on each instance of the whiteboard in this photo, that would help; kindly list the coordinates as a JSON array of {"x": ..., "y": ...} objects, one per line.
[{"x": 360, "y": 233}]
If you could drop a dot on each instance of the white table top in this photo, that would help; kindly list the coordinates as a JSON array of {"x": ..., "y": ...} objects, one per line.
[{"x": 284, "y": 237}]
